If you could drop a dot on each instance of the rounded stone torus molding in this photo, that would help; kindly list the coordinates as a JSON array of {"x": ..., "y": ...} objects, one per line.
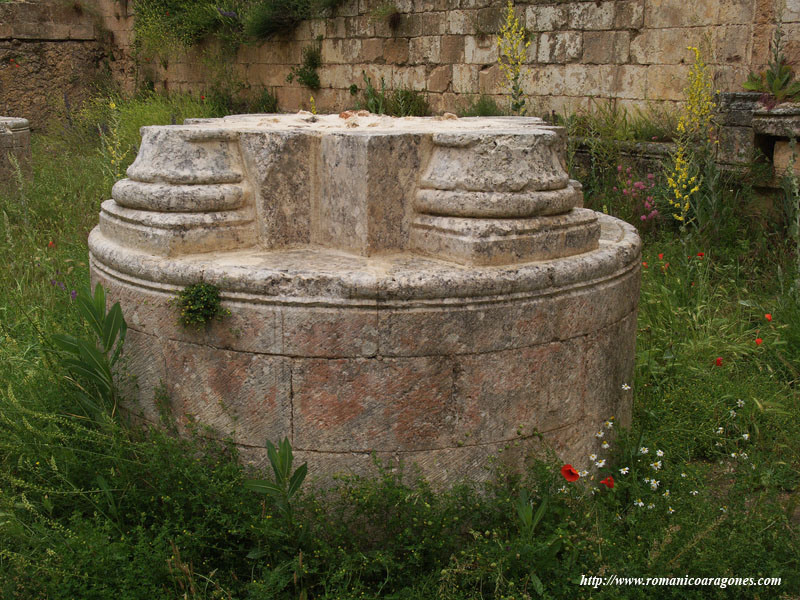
[
  {"x": 15, "y": 140},
  {"x": 428, "y": 290}
]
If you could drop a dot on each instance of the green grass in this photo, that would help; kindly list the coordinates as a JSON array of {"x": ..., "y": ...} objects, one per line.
[{"x": 98, "y": 508}]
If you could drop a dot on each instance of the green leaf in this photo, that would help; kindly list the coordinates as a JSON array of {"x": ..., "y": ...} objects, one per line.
[
  {"x": 66, "y": 343},
  {"x": 539, "y": 514},
  {"x": 297, "y": 479},
  {"x": 262, "y": 486},
  {"x": 96, "y": 361},
  {"x": 87, "y": 309},
  {"x": 537, "y": 584},
  {"x": 111, "y": 327},
  {"x": 274, "y": 460}
]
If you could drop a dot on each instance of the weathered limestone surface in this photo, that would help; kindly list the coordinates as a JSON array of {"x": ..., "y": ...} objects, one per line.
[
  {"x": 15, "y": 141},
  {"x": 356, "y": 325}
]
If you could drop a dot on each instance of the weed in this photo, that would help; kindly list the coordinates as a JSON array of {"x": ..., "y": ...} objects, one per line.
[
  {"x": 512, "y": 43},
  {"x": 483, "y": 106},
  {"x": 199, "y": 304},
  {"x": 402, "y": 102},
  {"x": 777, "y": 82},
  {"x": 306, "y": 74}
]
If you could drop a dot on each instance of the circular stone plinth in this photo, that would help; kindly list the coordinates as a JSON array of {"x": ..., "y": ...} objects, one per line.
[
  {"x": 412, "y": 358},
  {"x": 15, "y": 140}
]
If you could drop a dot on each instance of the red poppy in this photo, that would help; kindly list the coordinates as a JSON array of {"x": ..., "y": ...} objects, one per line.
[
  {"x": 719, "y": 361},
  {"x": 644, "y": 264},
  {"x": 701, "y": 254},
  {"x": 758, "y": 341},
  {"x": 661, "y": 256},
  {"x": 608, "y": 481},
  {"x": 202, "y": 97},
  {"x": 51, "y": 244},
  {"x": 569, "y": 473},
  {"x": 664, "y": 266},
  {"x": 768, "y": 317}
]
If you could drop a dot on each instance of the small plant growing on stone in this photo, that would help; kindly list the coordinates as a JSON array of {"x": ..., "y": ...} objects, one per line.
[
  {"x": 777, "y": 83},
  {"x": 306, "y": 74},
  {"x": 199, "y": 304},
  {"x": 512, "y": 44}
]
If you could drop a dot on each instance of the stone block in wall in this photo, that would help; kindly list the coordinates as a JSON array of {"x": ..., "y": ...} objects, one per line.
[
  {"x": 491, "y": 80},
  {"x": 628, "y": 81},
  {"x": 340, "y": 51},
  {"x": 490, "y": 20},
  {"x": 544, "y": 80},
  {"x": 578, "y": 78},
  {"x": 666, "y": 82},
  {"x": 425, "y": 49},
  {"x": 474, "y": 3},
  {"x": 679, "y": 13},
  {"x": 410, "y": 25},
  {"x": 665, "y": 46},
  {"x": 439, "y": 78},
  {"x": 736, "y": 108},
  {"x": 395, "y": 51},
  {"x": 480, "y": 50},
  {"x": 349, "y": 8},
  {"x": 335, "y": 28},
  {"x": 434, "y": 23},
  {"x": 738, "y": 12},
  {"x": 460, "y": 22},
  {"x": 735, "y": 145},
  {"x": 5, "y": 31},
  {"x": 411, "y": 78},
  {"x": 359, "y": 27},
  {"x": 629, "y": 14},
  {"x": 606, "y": 47},
  {"x": 372, "y": 49},
  {"x": 732, "y": 44},
  {"x": 791, "y": 11},
  {"x": 548, "y": 17},
  {"x": 82, "y": 31},
  {"x": 560, "y": 47},
  {"x": 465, "y": 79},
  {"x": 338, "y": 76},
  {"x": 452, "y": 49},
  {"x": 591, "y": 15}
]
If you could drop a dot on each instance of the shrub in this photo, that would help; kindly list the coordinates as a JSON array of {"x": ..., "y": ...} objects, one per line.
[{"x": 199, "y": 304}]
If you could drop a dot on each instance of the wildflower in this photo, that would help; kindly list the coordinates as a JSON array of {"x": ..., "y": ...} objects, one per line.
[
  {"x": 73, "y": 294},
  {"x": 609, "y": 424},
  {"x": 51, "y": 244},
  {"x": 625, "y": 470},
  {"x": 626, "y": 387},
  {"x": 600, "y": 463},
  {"x": 701, "y": 254},
  {"x": 683, "y": 475},
  {"x": 656, "y": 466},
  {"x": 584, "y": 473},
  {"x": 661, "y": 256},
  {"x": 666, "y": 494},
  {"x": 740, "y": 403},
  {"x": 724, "y": 509},
  {"x": 202, "y": 97},
  {"x": 599, "y": 434},
  {"x": 733, "y": 455},
  {"x": 670, "y": 510},
  {"x": 650, "y": 176},
  {"x": 644, "y": 264},
  {"x": 643, "y": 450},
  {"x": 112, "y": 106},
  {"x": 651, "y": 506},
  {"x": 768, "y": 317},
  {"x": 659, "y": 453},
  {"x": 647, "y": 480},
  {"x": 694, "y": 492},
  {"x": 569, "y": 473},
  {"x": 743, "y": 455},
  {"x": 593, "y": 457},
  {"x": 605, "y": 445},
  {"x": 745, "y": 436},
  {"x": 608, "y": 482},
  {"x": 654, "y": 484},
  {"x": 720, "y": 430},
  {"x": 562, "y": 489},
  {"x": 758, "y": 341},
  {"x": 718, "y": 362},
  {"x": 732, "y": 413},
  {"x": 638, "y": 502}
]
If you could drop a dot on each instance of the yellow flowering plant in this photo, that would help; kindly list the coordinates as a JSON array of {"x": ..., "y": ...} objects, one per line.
[
  {"x": 695, "y": 139},
  {"x": 512, "y": 44}
]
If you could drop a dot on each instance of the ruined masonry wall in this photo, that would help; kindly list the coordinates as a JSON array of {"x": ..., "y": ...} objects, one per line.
[
  {"x": 50, "y": 54},
  {"x": 630, "y": 50}
]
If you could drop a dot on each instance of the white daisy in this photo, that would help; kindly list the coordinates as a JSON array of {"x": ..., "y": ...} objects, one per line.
[
  {"x": 624, "y": 470},
  {"x": 643, "y": 450}
]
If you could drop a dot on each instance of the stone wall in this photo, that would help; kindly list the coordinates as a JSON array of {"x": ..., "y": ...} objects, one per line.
[
  {"x": 632, "y": 51},
  {"x": 50, "y": 53}
]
